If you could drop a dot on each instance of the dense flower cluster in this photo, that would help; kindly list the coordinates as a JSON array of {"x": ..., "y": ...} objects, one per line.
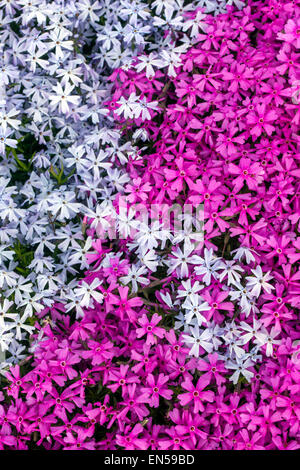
[
  {"x": 57, "y": 144},
  {"x": 182, "y": 332}
]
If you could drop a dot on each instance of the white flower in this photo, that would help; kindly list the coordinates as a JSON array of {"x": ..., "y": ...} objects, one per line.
[
  {"x": 244, "y": 251},
  {"x": 240, "y": 369},
  {"x": 78, "y": 255},
  {"x": 234, "y": 347},
  {"x": 140, "y": 134},
  {"x": 101, "y": 218},
  {"x": 148, "y": 62},
  {"x": 97, "y": 163},
  {"x": 170, "y": 60},
  {"x": 133, "y": 10},
  {"x": 197, "y": 338},
  {"x": 19, "y": 324},
  {"x": 10, "y": 210},
  {"x": 73, "y": 302},
  {"x": 135, "y": 276},
  {"x": 216, "y": 332},
  {"x": 194, "y": 307},
  {"x": 35, "y": 59},
  {"x": 244, "y": 296},
  {"x": 40, "y": 263},
  {"x": 78, "y": 158},
  {"x": 126, "y": 222},
  {"x": 254, "y": 355},
  {"x": 141, "y": 108},
  {"x": 147, "y": 257},
  {"x": 5, "y": 339},
  {"x": 231, "y": 270},
  {"x": 43, "y": 242},
  {"x": 238, "y": 3},
  {"x": 5, "y": 314},
  {"x": 109, "y": 39},
  {"x": 63, "y": 205},
  {"x": 230, "y": 330},
  {"x": 5, "y": 254},
  {"x": 180, "y": 322},
  {"x": 268, "y": 339},
  {"x": 15, "y": 350},
  {"x": 7, "y": 278},
  {"x": 8, "y": 119},
  {"x": 21, "y": 287},
  {"x": 188, "y": 288},
  {"x": 87, "y": 291},
  {"x": 5, "y": 140},
  {"x": 180, "y": 260},
  {"x": 148, "y": 236},
  {"x": 195, "y": 24},
  {"x": 48, "y": 279},
  {"x": 252, "y": 332},
  {"x": 207, "y": 266},
  {"x": 135, "y": 33},
  {"x": 127, "y": 105},
  {"x": 167, "y": 299},
  {"x": 57, "y": 41},
  {"x": 167, "y": 5},
  {"x": 70, "y": 236},
  {"x": 31, "y": 304},
  {"x": 169, "y": 22},
  {"x": 117, "y": 179},
  {"x": 208, "y": 5},
  {"x": 70, "y": 73},
  {"x": 88, "y": 10},
  {"x": 259, "y": 281},
  {"x": 62, "y": 98}
]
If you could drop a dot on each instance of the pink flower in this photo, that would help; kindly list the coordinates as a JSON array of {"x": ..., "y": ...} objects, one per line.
[
  {"x": 79, "y": 442},
  {"x": 150, "y": 329},
  {"x": 125, "y": 305},
  {"x": 291, "y": 33},
  {"x": 196, "y": 394},
  {"x": 213, "y": 369},
  {"x": 260, "y": 121},
  {"x": 251, "y": 174},
  {"x": 130, "y": 440},
  {"x": 157, "y": 388},
  {"x": 249, "y": 442}
]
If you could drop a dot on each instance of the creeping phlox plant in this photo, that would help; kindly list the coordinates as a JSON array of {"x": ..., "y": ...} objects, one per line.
[
  {"x": 58, "y": 146},
  {"x": 150, "y": 225}
]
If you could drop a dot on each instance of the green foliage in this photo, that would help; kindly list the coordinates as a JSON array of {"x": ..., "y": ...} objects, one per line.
[
  {"x": 22, "y": 156},
  {"x": 59, "y": 175},
  {"x": 23, "y": 256}
]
